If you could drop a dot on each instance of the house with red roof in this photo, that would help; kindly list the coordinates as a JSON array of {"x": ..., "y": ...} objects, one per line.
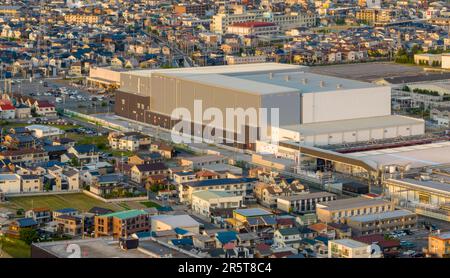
[
  {"x": 7, "y": 110},
  {"x": 44, "y": 108}
]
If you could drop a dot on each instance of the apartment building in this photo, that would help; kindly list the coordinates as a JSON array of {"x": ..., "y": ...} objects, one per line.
[
  {"x": 381, "y": 223},
  {"x": 285, "y": 21},
  {"x": 339, "y": 210},
  {"x": 303, "y": 203},
  {"x": 348, "y": 248},
  {"x": 253, "y": 29},
  {"x": 81, "y": 19},
  {"x": 198, "y": 9},
  {"x": 204, "y": 201},
  {"x": 239, "y": 60},
  {"x": 439, "y": 245},
  {"x": 236, "y": 186},
  {"x": 122, "y": 224}
]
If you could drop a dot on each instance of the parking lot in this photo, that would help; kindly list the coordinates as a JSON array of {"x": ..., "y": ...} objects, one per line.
[{"x": 65, "y": 94}]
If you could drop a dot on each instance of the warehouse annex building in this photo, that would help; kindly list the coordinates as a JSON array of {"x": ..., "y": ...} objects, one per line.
[{"x": 314, "y": 109}]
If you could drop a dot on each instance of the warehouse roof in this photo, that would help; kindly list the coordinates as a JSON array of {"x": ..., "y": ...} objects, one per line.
[
  {"x": 260, "y": 78},
  {"x": 353, "y": 124},
  {"x": 433, "y": 186},
  {"x": 415, "y": 156}
]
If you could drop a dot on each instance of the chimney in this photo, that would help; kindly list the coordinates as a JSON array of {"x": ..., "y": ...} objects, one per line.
[
  {"x": 287, "y": 78},
  {"x": 338, "y": 86},
  {"x": 322, "y": 83},
  {"x": 304, "y": 81},
  {"x": 270, "y": 75}
]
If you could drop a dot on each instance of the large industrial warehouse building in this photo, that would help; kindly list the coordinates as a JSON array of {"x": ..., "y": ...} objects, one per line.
[{"x": 313, "y": 109}]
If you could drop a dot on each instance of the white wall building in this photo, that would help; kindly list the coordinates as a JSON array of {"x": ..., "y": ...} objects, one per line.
[
  {"x": 41, "y": 131},
  {"x": 204, "y": 201},
  {"x": 170, "y": 222},
  {"x": 10, "y": 183}
]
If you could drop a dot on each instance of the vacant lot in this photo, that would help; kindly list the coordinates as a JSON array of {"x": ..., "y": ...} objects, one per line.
[
  {"x": 78, "y": 201},
  {"x": 14, "y": 248},
  {"x": 368, "y": 71}
]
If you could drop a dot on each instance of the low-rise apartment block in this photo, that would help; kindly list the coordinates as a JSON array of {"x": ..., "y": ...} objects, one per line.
[
  {"x": 122, "y": 224},
  {"x": 237, "y": 186},
  {"x": 303, "y": 203},
  {"x": 381, "y": 223},
  {"x": 340, "y": 210}
]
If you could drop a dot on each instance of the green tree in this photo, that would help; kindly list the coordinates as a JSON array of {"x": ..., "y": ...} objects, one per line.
[
  {"x": 48, "y": 186},
  {"x": 28, "y": 235}
]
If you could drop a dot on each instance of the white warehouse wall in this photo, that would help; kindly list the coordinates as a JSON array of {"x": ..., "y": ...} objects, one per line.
[{"x": 346, "y": 104}]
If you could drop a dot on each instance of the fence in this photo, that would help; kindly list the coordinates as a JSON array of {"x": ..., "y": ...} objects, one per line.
[
  {"x": 116, "y": 200},
  {"x": 95, "y": 120}
]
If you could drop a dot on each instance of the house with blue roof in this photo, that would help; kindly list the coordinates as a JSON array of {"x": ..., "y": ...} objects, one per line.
[
  {"x": 19, "y": 225},
  {"x": 182, "y": 242},
  {"x": 65, "y": 211},
  {"x": 225, "y": 237},
  {"x": 85, "y": 153}
]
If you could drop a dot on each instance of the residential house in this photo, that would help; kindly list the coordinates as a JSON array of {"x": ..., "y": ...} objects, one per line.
[
  {"x": 7, "y": 110},
  {"x": 105, "y": 184},
  {"x": 45, "y": 131},
  {"x": 129, "y": 141},
  {"x": 145, "y": 158},
  {"x": 184, "y": 176},
  {"x": 44, "y": 108},
  {"x": 198, "y": 162},
  {"x": 10, "y": 183},
  {"x": 31, "y": 183},
  {"x": 69, "y": 224},
  {"x": 65, "y": 211},
  {"x": 18, "y": 225},
  {"x": 287, "y": 237},
  {"x": 140, "y": 173},
  {"x": 252, "y": 219},
  {"x": 40, "y": 215},
  {"x": 85, "y": 153},
  {"x": 171, "y": 222},
  {"x": 23, "y": 111},
  {"x": 162, "y": 148},
  {"x": 203, "y": 201}
]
